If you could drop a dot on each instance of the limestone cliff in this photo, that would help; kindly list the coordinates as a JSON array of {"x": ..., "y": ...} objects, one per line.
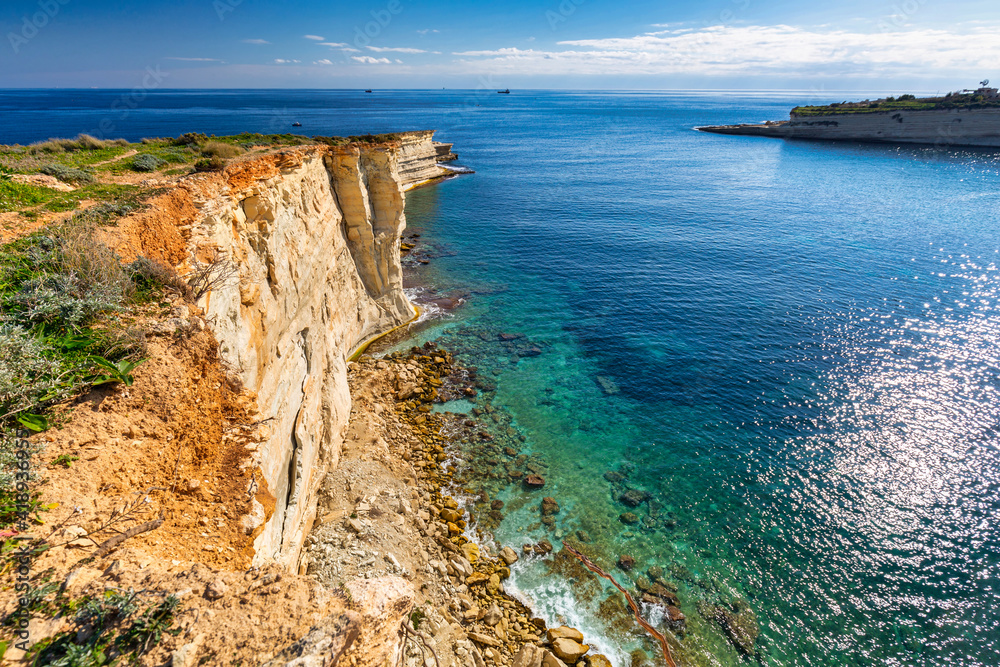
[
  {"x": 306, "y": 248},
  {"x": 946, "y": 127}
]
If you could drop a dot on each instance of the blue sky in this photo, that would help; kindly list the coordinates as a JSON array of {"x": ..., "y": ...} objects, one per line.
[{"x": 924, "y": 45}]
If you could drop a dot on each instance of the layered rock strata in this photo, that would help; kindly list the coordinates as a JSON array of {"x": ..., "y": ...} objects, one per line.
[
  {"x": 302, "y": 253},
  {"x": 945, "y": 127}
]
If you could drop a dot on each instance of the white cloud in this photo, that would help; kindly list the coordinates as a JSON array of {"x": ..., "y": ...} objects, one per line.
[
  {"x": 335, "y": 45},
  {"x": 314, "y": 37},
  {"x": 282, "y": 61},
  {"x": 750, "y": 50},
  {"x": 390, "y": 49},
  {"x": 256, "y": 41},
  {"x": 424, "y": 32},
  {"x": 197, "y": 60},
  {"x": 324, "y": 61},
  {"x": 348, "y": 49},
  {"x": 368, "y": 60}
]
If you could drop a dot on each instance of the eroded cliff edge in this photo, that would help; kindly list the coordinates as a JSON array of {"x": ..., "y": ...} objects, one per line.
[{"x": 312, "y": 235}]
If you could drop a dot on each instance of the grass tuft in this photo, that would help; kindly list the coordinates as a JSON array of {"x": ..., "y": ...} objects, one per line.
[{"x": 221, "y": 150}]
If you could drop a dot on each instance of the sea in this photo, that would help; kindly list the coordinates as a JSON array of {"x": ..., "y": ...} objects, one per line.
[{"x": 786, "y": 353}]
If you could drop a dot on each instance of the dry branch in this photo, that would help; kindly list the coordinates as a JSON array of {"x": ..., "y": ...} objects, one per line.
[
  {"x": 109, "y": 544},
  {"x": 631, "y": 603}
]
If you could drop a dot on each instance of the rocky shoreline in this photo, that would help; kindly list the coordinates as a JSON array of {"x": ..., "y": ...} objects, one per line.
[{"x": 385, "y": 511}]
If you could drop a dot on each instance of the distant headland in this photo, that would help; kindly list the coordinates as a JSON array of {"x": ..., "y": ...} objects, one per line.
[{"x": 962, "y": 118}]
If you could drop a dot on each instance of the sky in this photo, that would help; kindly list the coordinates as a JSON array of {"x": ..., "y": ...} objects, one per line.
[{"x": 919, "y": 45}]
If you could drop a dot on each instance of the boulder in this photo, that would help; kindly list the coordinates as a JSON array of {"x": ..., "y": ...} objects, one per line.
[
  {"x": 492, "y": 615},
  {"x": 534, "y": 481},
  {"x": 450, "y": 515},
  {"x": 675, "y": 617},
  {"x": 564, "y": 632},
  {"x": 485, "y": 640},
  {"x": 629, "y": 518},
  {"x": 598, "y": 660},
  {"x": 216, "y": 589},
  {"x": 476, "y": 578},
  {"x": 382, "y": 604},
  {"x": 529, "y": 656},
  {"x": 471, "y": 551},
  {"x": 569, "y": 651},
  {"x": 549, "y": 506},
  {"x": 550, "y": 660},
  {"x": 509, "y": 555}
]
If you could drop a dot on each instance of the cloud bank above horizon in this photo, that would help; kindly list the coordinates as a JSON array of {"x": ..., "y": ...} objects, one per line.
[{"x": 526, "y": 44}]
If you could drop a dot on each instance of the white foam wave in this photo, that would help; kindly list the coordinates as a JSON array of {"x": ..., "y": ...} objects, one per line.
[{"x": 552, "y": 599}]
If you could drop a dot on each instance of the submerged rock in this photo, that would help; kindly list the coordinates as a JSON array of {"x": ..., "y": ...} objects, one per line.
[
  {"x": 626, "y": 562},
  {"x": 634, "y": 497},
  {"x": 629, "y": 518},
  {"x": 607, "y": 385},
  {"x": 740, "y": 625},
  {"x": 534, "y": 481},
  {"x": 549, "y": 506}
]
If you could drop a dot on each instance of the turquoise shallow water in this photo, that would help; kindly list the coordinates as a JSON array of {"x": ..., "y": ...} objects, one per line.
[
  {"x": 792, "y": 347},
  {"x": 803, "y": 340}
]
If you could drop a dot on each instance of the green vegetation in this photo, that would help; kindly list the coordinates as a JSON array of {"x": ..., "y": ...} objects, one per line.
[
  {"x": 68, "y": 174},
  {"x": 902, "y": 103},
  {"x": 115, "y": 628},
  {"x": 221, "y": 149},
  {"x": 16, "y": 196},
  {"x": 58, "y": 292},
  {"x": 83, "y": 142},
  {"x": 359, "y": 139},
  {"x": 147, "y": 162}
]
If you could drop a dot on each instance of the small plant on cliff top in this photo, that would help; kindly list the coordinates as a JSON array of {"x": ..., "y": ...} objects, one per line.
[{"x": 108, "y": 629}]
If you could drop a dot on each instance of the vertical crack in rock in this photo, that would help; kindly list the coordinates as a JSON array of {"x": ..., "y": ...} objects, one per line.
[{"x": 315, "y": 232}]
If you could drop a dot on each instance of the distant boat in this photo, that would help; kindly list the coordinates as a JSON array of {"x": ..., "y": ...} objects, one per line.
[
  {"x": 368, "y": 91},
  {"x": 296, "y": 124},
  {"x": 504, "y": 92}
]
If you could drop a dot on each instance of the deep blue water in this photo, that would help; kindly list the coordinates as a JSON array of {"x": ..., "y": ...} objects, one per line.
[{"x": 797, "y": 346}]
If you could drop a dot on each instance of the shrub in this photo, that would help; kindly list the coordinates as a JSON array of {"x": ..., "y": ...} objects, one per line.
[
  {"x": 210, "y": 164},
  {"x": 149, "y": 275},
  {"x": 190, "y": 138},
  {"x": 68, "y": 174},
  {"x": 105, "y": 212},
  {"x": 220, "y": 149},
  {"x": 147, "y": 163},
  {"x": 82, "y": 142}
]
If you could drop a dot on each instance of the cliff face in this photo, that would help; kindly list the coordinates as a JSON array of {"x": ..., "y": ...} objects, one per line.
[
  {"x": 946, "y": 127},
  {"x": 310, "y": 240}
]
